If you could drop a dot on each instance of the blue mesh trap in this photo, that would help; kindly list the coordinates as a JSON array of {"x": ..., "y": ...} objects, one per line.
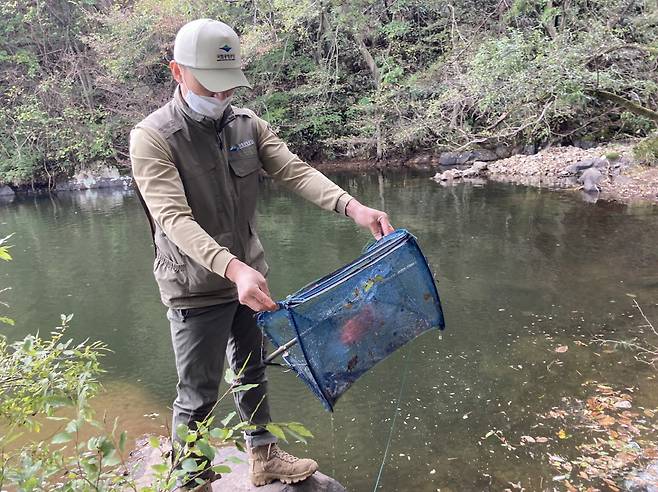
[{"x": 335, "y": 329}]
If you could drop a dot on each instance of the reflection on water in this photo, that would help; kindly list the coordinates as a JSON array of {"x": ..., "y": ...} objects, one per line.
[{"x": 521, "y": 271}]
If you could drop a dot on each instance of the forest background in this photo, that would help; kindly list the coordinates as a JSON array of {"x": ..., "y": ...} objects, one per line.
[{"x": 338, "y": 80}]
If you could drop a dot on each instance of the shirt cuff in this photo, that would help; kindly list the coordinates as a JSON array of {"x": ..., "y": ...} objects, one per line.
[
  {"x": 220, "y": 262},
  {"x": 341, "y": 204}
]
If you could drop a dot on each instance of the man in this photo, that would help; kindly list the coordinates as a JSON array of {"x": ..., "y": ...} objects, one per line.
[{"x": 196, "y": 162}]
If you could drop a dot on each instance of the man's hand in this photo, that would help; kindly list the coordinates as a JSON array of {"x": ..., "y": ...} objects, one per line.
[
  {"x": 252, "y": 286},
  {"x": 374, "y": 220}
]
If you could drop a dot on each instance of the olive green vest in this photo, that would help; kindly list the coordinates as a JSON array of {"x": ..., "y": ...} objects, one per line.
[{"x": 218, "y": 165}]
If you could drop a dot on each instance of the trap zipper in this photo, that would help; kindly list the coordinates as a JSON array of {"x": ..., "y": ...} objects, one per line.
[{"x": 378, "y": 250}]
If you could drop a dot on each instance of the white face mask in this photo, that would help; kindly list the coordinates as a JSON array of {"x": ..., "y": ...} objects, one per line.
[{"x": 207, "y": 106}]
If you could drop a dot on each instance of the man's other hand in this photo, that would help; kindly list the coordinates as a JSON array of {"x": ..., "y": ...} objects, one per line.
[
  {"x": 374, "y": 220},
  {"x": 252, "y": 286}
]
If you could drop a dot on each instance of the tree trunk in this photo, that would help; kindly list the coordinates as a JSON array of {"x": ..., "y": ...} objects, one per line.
[
  {"x": 549, "y": 23},
  {"x": 368, "y": 58},
  {"x": 319, "y": 38},
  {"x": 626, "y": 104}
]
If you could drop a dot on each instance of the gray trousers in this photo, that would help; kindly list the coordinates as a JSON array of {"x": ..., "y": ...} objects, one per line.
[{"x": 200, "y": 337}]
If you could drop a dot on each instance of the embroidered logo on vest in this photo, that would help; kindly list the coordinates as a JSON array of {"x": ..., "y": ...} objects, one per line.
[{"x": 242, "y": 145}]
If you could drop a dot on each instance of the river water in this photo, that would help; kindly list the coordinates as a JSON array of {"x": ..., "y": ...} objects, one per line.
[{"x": 521, "y": 271}]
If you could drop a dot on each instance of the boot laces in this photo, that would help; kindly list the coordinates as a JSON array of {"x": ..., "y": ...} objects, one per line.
[{"x": 275, "y": 451}]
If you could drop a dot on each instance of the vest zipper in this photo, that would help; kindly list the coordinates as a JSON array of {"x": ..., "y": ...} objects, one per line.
[{"x": 218, "y": 129}]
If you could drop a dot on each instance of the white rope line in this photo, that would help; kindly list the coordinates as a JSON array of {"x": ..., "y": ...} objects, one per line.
[{"x": 395, "y": 416}]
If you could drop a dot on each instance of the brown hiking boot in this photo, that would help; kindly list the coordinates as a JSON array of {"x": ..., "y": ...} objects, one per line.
[{"x": 268, "y": 463}]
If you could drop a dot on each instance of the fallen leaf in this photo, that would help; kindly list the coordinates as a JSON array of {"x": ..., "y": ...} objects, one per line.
[
  {"x": 528, "y": 439},
  {"x": 541, "y": 439},
  {"x": 626, "y": 458},
  {"x": 605, "y": 420},
  {"x": 562, "y": 434},
  {"x": 570, "y": 487},
  {"x": 650, "y": 453},
  {"x": 561, "y": 349}
]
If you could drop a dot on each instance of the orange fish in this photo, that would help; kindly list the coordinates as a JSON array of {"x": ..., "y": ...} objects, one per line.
[{"x": 356, "y": 327}]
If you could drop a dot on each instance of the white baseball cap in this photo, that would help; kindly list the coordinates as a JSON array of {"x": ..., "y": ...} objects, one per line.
[{"x": 211, "y": 50}]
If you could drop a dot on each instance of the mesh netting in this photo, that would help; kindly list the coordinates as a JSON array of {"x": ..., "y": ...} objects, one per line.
[{"x": 348, "y": 321}]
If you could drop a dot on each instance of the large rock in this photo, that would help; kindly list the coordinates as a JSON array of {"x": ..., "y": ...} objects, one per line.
[
  {"x": 448, "y": 175},
  {"x": 593, "y": 162},
  {"x": 590, "y": 180},
  {"x": 477, "y": 169},
  {"x": 238, "y": 479},
  {"x": 454, "y": 158},
  {"x": 484, "y": 155},
  {"x": 6, "y": 191},
  {"x": 94, "y": 177},
  {"x": 529, "y": 149},
  {"x": 584, "y": 144},
  {"x": 144, "y": 456},
  {"x": 459, "y": 158}
]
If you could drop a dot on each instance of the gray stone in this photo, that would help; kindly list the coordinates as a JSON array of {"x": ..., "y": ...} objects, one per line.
[
  {"x": 601, "y": 163},
  {"x": 96, "y": 176},
  {"x": 92, "y": 183},
  {"x": 454, "y": 158},
  {"x": 585, "y": 163},
  {"x": 485, "y": 155},
  {"x": 448, "y": 175},
  {"x": 6, "y": 191},
  {"x": 590, "y": 179},
  {"x": 529, "y": 149},
  {"x": 503, "y": 151},
  {"x": 584, "y": 144},
  {"x": 594, "y": 162},
  {"x": 569, "y": 170},
  {"x": 459, "y": 158},
  {"x": 645, "y": 480},
  {"x": 476, "y": 169}
]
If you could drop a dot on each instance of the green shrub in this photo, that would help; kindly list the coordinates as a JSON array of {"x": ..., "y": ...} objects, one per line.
[{"x": 647, "y": 151}]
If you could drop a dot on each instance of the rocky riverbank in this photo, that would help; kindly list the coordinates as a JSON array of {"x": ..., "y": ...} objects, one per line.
[{"x": 607, "y": 172}]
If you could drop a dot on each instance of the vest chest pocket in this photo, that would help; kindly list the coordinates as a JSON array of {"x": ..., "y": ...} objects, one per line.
[
  {"x": 244, "y": 163},
  {"x": 245, "y": 168}
]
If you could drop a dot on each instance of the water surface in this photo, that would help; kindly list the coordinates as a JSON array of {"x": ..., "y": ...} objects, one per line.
[{"x": 521, "y": 271}]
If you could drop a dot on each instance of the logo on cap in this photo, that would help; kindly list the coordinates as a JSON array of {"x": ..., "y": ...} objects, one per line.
[{"x": 225, "y": 56}]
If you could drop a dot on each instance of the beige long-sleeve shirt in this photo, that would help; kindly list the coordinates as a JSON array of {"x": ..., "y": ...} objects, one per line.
[{"x": 159, "y": 181}]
